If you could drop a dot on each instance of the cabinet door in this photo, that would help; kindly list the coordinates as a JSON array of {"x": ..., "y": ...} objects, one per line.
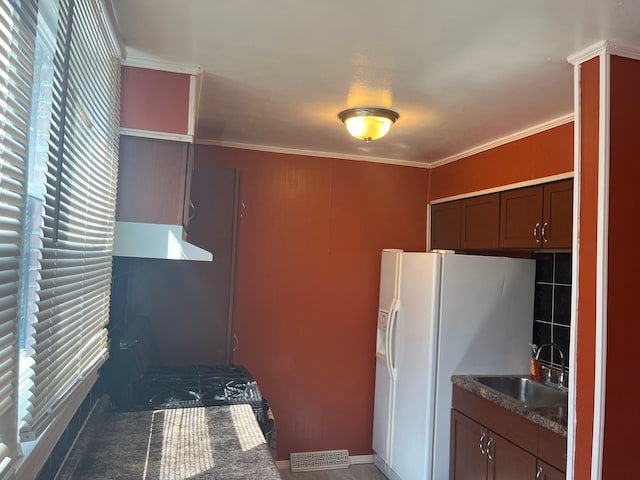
[
  {"x": 557, "y": 214},
  {"x": 547, "y": 472},
  {"x": 508, "y": 461},
  {"x": 521, "y": 218},
  {"x": 445, "y": 226},
  {"x": 480, "y": 222},
  {"x": 151, "y": 180},
  {"x": 468, "y": 460},
  {"x": 552, "y": 448}
]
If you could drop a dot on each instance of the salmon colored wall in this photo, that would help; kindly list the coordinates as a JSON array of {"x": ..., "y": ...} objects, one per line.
[
  {"x": 309, "y": 267},
  {"x": 540, "y": 155},
  {"x": 154, "y": 100},
  {"x": 623, "y": 329},
  {"x": 586, "y": 284}
]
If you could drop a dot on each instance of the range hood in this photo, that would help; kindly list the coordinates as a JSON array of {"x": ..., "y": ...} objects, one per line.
[{"x": 154, "y": 240}]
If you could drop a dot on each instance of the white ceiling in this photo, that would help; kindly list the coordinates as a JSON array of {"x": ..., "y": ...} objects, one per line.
[{"x": 461, "y": 73}]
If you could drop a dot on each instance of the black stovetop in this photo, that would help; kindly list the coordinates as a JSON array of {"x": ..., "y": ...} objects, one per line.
[{"x": 195, "y": 386}]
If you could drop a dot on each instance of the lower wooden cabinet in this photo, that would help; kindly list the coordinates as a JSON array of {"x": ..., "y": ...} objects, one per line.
[
  {"x": 491, "y": 443},
  {"x": 479, "y": 453},
  {"x": 507, "y": 461},
  {"x": 547, "y": 472},
  {"x": 468, "y": 448}
]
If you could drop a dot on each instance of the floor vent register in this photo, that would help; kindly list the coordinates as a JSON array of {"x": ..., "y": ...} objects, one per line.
[{"x": 326, "y": 460}]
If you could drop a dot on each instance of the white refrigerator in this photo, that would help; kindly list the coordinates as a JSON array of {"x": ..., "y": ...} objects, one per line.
[{"x": 441, "y": 314}]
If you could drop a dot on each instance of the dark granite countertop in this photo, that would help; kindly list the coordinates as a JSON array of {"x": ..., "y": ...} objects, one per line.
[
  {"x": 552, "y": 418},
  {"x": 205, "y": 443}
]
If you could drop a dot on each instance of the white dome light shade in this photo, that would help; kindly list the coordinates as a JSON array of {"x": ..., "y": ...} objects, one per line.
[{"x": 368, "y": 123}]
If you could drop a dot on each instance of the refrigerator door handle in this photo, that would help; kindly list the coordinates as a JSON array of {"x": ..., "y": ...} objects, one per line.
[{"x": 391, "y": 339}]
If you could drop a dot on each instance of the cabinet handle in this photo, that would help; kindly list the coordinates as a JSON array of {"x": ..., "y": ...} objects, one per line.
[
  {"x": 489, "y": 448},
  {"x": 192, "y": 210},
  {"x": 539, "y": 474},
  {"x": 481, "y": 442},
  {"x": 535, "y": 232},
  {"x": 544, "y": 232}
]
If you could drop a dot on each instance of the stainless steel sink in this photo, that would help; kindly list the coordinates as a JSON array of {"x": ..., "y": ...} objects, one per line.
[{"x": 525, "y": 390}]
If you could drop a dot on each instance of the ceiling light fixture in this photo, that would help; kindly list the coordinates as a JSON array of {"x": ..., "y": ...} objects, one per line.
[{"x": 368, "y": 123}]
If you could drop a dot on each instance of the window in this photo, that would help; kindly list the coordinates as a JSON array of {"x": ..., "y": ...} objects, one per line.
[
  {"x": 56, "y": 271},
  {"x": 17, "y": 34}
]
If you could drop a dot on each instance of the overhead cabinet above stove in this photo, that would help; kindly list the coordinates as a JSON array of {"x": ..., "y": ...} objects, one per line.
[
  {"x": 156, "y": 161},
  {"x": 153, "y": 205}
]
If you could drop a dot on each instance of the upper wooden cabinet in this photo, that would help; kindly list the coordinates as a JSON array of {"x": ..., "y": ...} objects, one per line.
[
  {"x": 525, "y": 218},
  {"x": 154, "y": 181},
  {"x": 469, "y": 224},
  {"x": 445, "y": 226},
  {"x": 557, "y": 215},
  {"x": 480, "y": 222},
  {"x": 537, "y": 217}
]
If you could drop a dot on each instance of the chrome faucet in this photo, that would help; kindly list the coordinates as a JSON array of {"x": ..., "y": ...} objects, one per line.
[{"x": 553, "y": 345}]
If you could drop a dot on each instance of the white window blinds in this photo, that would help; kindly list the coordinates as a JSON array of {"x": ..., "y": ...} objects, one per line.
[
  {"x": 70, "y": 339},
  {"x": 17, "y": 43}
]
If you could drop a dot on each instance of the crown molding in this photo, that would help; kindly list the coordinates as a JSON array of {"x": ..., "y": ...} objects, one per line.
[
  {"x": 624, "y": 50},
  {"x": 313, "y": 153},
  {"x": 106, "y": 10},
  {"x": 504, "y": 140},
  {"x": 176, "y": 137},
  {"x": 588, "y": 53},
  {"x": 604, "y": 47},
  {"x": 135, "y": 59}
]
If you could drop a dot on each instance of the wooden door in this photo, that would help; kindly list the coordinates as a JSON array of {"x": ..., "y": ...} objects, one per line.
[
  {"x": 445, "y": 226},
  {"x": 215, "y": 194},
  {"x": 558, "y": 215},
  {"x": 468, "y": 460},
  {"x": 521, "y": 218},
  {"x": 508, "y": 461},
  {"x": 480, "y": 222}
]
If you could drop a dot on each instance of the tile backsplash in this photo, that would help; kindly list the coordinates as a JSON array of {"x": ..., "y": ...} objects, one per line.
[{"x": 552, "y": 305}]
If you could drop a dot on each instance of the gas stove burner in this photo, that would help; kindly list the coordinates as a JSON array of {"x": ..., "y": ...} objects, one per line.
[{"x": 175, "y": 399}]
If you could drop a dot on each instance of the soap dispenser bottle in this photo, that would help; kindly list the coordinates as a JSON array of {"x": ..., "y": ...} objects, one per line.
[{"x": 534, "y": 368}]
